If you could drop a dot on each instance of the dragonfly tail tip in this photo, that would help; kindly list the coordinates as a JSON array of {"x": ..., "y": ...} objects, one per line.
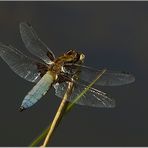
[{"x": 21, "y": 108}]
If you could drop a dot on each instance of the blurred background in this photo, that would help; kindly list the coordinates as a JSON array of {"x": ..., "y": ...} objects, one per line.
[{"x": 113, "y": 35}]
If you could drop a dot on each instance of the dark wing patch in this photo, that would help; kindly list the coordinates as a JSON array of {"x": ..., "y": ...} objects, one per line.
[{"x": 22, "y": 65}]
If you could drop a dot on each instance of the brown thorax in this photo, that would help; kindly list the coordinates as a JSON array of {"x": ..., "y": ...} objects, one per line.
[{"x": 57, "y": 66}]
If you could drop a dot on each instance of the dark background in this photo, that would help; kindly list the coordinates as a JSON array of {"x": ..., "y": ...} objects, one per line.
[{"x": 112, "y": 35}]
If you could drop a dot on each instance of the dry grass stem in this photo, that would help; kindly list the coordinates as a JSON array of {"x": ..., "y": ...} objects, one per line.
[
  {"x": 58, "y": 113},
  {"x": 64, "y": 108}
]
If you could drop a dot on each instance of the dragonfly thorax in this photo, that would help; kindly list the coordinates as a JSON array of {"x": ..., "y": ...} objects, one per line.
[{"x": 58, "y": 66}]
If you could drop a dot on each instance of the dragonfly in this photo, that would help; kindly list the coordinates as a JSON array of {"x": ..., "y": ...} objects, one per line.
[{"x": 44, "y": 69}]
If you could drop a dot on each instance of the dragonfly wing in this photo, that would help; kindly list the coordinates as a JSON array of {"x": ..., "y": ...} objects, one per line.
[
  {"x": 22, "y": 65},
  {"x": 34, "y": 44},
  {"x": 109, "y": 78},
  {"x": 37, "y": 91},
  {"x": 93, "y": 97}
]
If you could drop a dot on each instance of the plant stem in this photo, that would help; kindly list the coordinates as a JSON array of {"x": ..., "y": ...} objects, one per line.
[
  {"x": 58, "y": 113},
  {"x": 67, "y": 108}
]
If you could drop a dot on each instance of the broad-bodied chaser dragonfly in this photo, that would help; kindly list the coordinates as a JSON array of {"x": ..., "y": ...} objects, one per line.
[{"x": 46, "y": 70}]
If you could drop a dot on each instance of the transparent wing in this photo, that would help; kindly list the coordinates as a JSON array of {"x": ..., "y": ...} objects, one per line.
[
  {"x": 22, "y": 65},
  {"x": 34, "y": 44},
  {"x": 93, "y": 97},
  {"x": 109, "y": 78}
]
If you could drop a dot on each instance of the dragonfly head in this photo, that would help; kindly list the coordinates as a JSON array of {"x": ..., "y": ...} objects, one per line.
[{"x": 74, "y": 56}]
